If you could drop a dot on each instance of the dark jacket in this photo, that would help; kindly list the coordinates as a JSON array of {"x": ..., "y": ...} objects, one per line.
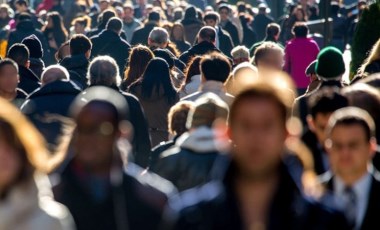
[
  {"x": 23, "y": 30},
  {"x": 189, "y": 163},
  {"x": 259, "y": 25},
  {"x": 182, "y": 46},
  {"x": 233, "y": 31},
  {"x": 216, "y": 206},
  {"x": 20, "y": 98},
  {"x": 192, "y": 27},
  {"x": 138, "y": 201},
  {"x": 159, "y": 149},
  {"x": 110, "y": 43},
  {"x": 141, "y": 34},
  {"x": 77, "y": 64},
  {"x": 37, "y": 66},
  {"x": 225, "y": 42},
  {"x": 249, "y": 36},
  {"x": 198, "y": 49},
  {"x": 371, "y": 218},
  {"x": 50, "y": 100},
  {"x": 317, "y": 151},
  {"x": 28, "y": 80}
]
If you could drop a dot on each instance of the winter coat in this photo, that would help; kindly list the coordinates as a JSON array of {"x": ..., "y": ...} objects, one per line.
[
  {"x": 28, "y": 80},
  {"x": 182, "y": 46},
  {"x": 192, "y": 27},
  {"x": 189, "y": 163},
  {"x": 233, "y": 31},
  {"x": 138, "y": 200},
  {"x": 30, "y": 205},
  {"x": 224, "y": 43},
  {"x": 77, "y": 66},
  {"x": 110, "y": 43},
  {"x": 20, "y": 98},
  {"x": 47, "y": 105},
  {"x": 198, "y": 49},
  {"x": 156, "y": 109},
  {"x": 141, "y": 34},
  {"x": 37, "y": 66}
]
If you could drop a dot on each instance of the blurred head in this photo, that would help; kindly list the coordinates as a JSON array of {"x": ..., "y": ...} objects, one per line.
[
  {"x": 129, "y": 12},
  {"x": 20, "y": 54},
  {"x": 54, "y": 20},
  {"x": 244, "y": 73},
  {"x": 215, "y": 67},
  {"x": 211, "y": 19},
  {"x": 224, "y": 12},
  {"x": 192, "y": 69},
  {"x": 206, "y": 33},
  {"x": 99, "y": 113},
  {"x": 80, "y": 45},
  {"x": 21, "y": 5},
  {"x": 5, "y": 11},
  {"x": 103, "y": 70},
  {"x": 63, "y": 51},
  {"x": 269, "y": 56},
  {"x": 158, "y": 37},
  {"x": 300, "y": 30},
  {"x": 114, "y": 24},
  {"x": 351, "y": 143},
  {"x": 54, "y": 73},
  {"x": 139, "y": 58},
  {"x": 240, "y": 54},
  {"x": 177, "y": 117},
  {"x": 273, "y": 31},
  {"x": 321, "y": 105},
  {"x": 178, "y": 32},
  {"x": 81, "y": 24},
  {"x": 9, "y": 77}
]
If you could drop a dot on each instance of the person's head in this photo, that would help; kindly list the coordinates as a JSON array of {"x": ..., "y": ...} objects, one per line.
[
  {"x": 129, "y": 12},
  {"x": 21, "y": 5},
  {"x": 156, "y": 76},
  {"x": 269, "y": 55},
  {"x": 103, "y": 5},
  {"x": 104, "y": 71},
  {"x": 215, "y": 67},
  {"x": 54, "y": 73},
  {"x": 242, "y": 74},
  {"x": 158, "y": 37},
  {"x": 262, "y": 7},
  {"x": 178, "y": 32},
  {"x": 20, "y": 54},
  {"x": 257, "y": 128},
  {"x": 177, "y": 117},
  {"x": 206, "y": 33},
  {"x": 138, "y": 59},
  {"x": 104, "y": 17},
  {"x": 300, "y": 30},
  {"x": 211, "y": 19},
  {"x": 99, "y": 113},
  {"x": 321, "y": 105},
  {"x": 81, "y": 24},
  {"x": 374, "y": 55},
  {"x": 273, "y": 31},
  {"x": 224, "y": 11},
  {"x": 166, "y": 55},
  {"x": 299, "y": 13},
  {"x": 192, "y": 69},
  {"x": 63, "y": 51},
  {"x": 54, "y": 20},
  {"x": 9, "y": 77},
  {"x": 335, "y": 8},
  {"x": 330, "y": 64},
  {"x": 22, "y": 149},
  {"x": 115, "y": 24},
  {"x": 314, "y": 10},
  {"x": 350, "y": 143},
  {"x": 6, "y": 11},
  {"x": 154, "y": 16},
  {"x": 240, "y": 54},
  {"x": 80, "y": 45},
  {"x": 34, "y": 46}
]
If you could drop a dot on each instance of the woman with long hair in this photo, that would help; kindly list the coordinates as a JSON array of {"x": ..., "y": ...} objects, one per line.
[
  {"x": 157, "y": 95},
  {"x": 372, "y": 63},
  {"x": 177, "y": 36},
  {"x": 192, "y": 79},
  {"x": 55, "y": 32},
  {"x": 26, "y": 200},
  {"x": 139, "y": 58}
]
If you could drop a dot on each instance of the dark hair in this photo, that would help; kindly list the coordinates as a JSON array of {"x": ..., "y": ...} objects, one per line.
[
  {"x": 8, "y": 61},
  {"x": 326, "y": 100},
  {"x": 300, "y": 30},
  {"x": 24, "y": 16},
  {"x": 156, "y": 76},
  {"x": 114, "y": 24},
  {"x": 335, "y": 8},
  {"x": 241, "y": 7},
  {"x": 105, "y": 17},
  {"x": 19, "y": 53},
  {"x": 59, "y": 31},
  {"x": 138, "y": 60},
  {"x": 224, "y": 6},
  {"x": 207, "y": 33},
  {"x": 192, "y": 68},
  {"x": 215, "y": 67},
  {"x": 80, "y": 44},
  {"x": 58, "y": 55},
  {"x": 272, "y": 30},
  {"x": 22, "y": 2},
  {"x": 177, "y": 24},
  {"x": 211, "y": 16}
]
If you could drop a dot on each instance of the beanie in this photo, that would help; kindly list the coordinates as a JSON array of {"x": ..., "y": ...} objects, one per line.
[
  {"x": 330, "y": 63},
  {"x": 34, "y": 46},
  {"x": 207, "y": 109}
]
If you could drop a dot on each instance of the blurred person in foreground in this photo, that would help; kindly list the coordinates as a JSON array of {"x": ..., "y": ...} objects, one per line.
[
  {"x": 101, "y": 189},
  {"x": 26, "y": 199},
  {"x": 9, "y": 80},
  {"x": 256, "y": 189}
]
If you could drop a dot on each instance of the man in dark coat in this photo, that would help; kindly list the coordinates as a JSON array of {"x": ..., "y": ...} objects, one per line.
[
  {"x": 354, "y": 182},
  {"x": 261, "y": 21},
  {"x": 99, "y": 187},
  {"x": 254, "y": 186},
  {"x": 36, "y": 52},
  {"x": 25, "y": 28},
  {"x": 192, "y": 24},
  {"x": 110, "y": 43},
  {"x": 104, "y": 71},
  {"x": 28, "y": 80},
  {"x": 205, "y": 44},
  {"x": 141, "y": 34},
  {"x": 226, "y": 24},
  {"x": 48, "y": 106},
  {"x": 77, "y": 63}
]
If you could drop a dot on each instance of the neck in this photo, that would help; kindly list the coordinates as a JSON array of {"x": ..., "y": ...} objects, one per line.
[
  {"x": 8, "y": 95},
  {"x": 351, "y": 179}
]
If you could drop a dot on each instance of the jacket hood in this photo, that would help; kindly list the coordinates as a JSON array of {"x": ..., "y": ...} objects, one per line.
[
  {"x": 26, "y": 25},
  {"x": 75, "y": 61},
  {"x": 56, "y": 87},
  {"x": 203, "y": 140}
]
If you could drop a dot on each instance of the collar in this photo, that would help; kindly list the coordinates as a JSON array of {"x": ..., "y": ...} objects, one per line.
[{"x": 361, "y": 187}]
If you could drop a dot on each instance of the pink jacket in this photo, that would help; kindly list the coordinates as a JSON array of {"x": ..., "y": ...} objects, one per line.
[{"x": 299, "y": 53}]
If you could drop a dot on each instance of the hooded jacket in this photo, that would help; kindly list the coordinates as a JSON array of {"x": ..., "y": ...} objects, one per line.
[{"x": 28, "y": 80}]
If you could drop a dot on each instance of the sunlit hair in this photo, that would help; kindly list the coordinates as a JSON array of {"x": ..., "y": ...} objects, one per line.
[
  {"x": 20, "y": 134},
  {"x": 192, "y": 69},
  {"x": 177, "y": 117},
  {"x": 373, "y": 56},
  {"x": 138, "y": 60}
]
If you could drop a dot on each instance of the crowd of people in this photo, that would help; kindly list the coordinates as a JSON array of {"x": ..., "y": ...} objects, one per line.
[{"x": 185, "y": 115}]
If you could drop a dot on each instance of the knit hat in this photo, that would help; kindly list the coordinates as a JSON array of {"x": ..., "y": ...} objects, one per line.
[
  {"x": 34, "y": 46},
  {"x": 207, "y": 109},
  {"x": 330, "y": 63}
]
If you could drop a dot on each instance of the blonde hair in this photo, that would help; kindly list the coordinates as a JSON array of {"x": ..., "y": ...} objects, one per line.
[{"x": 373, "y": 56}]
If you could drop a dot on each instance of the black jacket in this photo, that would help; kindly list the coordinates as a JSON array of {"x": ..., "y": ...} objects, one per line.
[
  {"x": 37, "y": 66},
  {"x": 141, "y": 34},
  {"x": 77, "y": 66},
  {"x": 216, "y": 206},
  {"x": 110, "y": 43},
  {"x": 198, "y": 49},
  {"x": 225, "y": 42},
  {"x": 50, "y": 100},
  {"x": 317, "y": 151},
  {"x": 28, "y": 80},
  {"x": 182, "y": 46},
  {"x": 233, "y": 31},
  {"x": 138, "y": 201}
]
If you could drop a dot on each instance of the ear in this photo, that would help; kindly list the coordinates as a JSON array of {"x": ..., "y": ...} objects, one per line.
[
  {"x": 373, "y": 146},
  {"x": 27, "y": 64},
  {"x": 310, "y": 122},
  {"x": 88, "y": 54}
]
